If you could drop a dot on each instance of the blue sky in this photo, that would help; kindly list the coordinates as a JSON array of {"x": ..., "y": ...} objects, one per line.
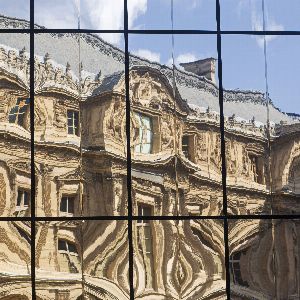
[{"x": 242, "y": 56}]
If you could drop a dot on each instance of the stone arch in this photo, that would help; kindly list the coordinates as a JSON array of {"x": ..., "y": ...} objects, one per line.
[
  {"x": 294, "y": 155},
  {"x": 293, "y": 180},
  {"x": 16, "y": 291},
  {"x": 15, "y": 297}
]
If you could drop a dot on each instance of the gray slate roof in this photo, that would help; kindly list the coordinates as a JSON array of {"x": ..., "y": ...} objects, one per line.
[{"x": 99, "y": 56}]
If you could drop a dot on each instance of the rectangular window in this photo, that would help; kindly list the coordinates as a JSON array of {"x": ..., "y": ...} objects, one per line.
[
  {"x": 185, "y": 146},
  {"x": 144, "y": 133},
  {"x": 19, "y": 114},
  {"x": 73, "y": 122},
  {"x": 64, "y": 245},
  {"x": 144, "y": 210},
  {"x": 235, "y": 268},
  {"x": 23, "y": 199},
  {"x": 67, "y": 204}
]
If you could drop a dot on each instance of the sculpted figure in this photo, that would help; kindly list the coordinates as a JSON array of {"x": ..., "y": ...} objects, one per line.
[{"x": 166, "y": 132}]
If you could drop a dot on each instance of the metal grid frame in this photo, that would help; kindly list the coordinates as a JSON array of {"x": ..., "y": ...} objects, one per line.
[{"x": 130, "y": 217}]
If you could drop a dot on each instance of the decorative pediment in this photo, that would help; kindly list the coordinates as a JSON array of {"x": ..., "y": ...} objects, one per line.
[{"x": 148, "y": 90}]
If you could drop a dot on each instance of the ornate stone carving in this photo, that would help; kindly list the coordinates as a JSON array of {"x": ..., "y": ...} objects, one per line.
[
  {"x": 167, "y": 132},
  {"x": 147, "y": 91},
  {"x": 116, "y": 123},
  {"x": 2, "y": 194}
]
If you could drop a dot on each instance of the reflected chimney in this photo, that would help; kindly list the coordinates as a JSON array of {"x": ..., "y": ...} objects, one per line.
[{"x": 203, "y": 67}]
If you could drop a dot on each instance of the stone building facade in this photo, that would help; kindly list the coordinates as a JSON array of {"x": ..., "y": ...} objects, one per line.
[{"x": 80, "y": 166}]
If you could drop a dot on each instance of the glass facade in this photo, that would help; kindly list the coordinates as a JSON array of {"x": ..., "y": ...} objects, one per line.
[{"x": 149, "y": 150}]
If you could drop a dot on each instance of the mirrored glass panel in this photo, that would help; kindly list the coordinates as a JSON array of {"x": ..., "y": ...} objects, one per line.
[
  {"x": 146, "y": 15},
  {"x": 195, "y": 14},
  {"x": 241, "y": 15},
  {"x": 152, "y": 127},
  {"x": 105, "y": 260},
  {"x": 246, "y": 130},
  {"x": 285, "y": 128},
  {"x": 191, "y": 256},
  {"x": 15, "y": 263},
  {"x": 103, "y": 125},
  {"x": 251, "y": 261},
  {"x": 15, "y": 14},
  {"x": 282, "y": 16},
  {"x": 264, "y": 259},
  {"x": 15, "y": 164},
  {"x": 57, "y": 14},
  {"x": 106, "y": 15},
  {"x": 286, "y": 256},
  {"x": 199, "y": 164},
  {"x": 57, "y": 121},
  {"x": 58, "y": 263}
]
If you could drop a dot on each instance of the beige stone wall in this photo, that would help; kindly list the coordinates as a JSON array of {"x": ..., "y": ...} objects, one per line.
[{"x": 172, "y": 259}]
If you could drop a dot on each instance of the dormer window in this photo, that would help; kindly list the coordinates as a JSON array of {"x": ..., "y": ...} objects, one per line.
[
  {"x": 144, "y": 134},
  {"x": 73, "y": 122},
  {"x": 19, "y": 114}
]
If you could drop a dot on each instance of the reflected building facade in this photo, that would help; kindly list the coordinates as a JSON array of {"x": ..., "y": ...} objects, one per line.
[{"x": 81, "y": 170}]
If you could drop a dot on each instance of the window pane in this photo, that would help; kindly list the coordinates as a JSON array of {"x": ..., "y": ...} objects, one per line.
[
  {"x": 63, "y": 204},
  {"x": 246, "y": 113},
  {"x": 15, "y": 150},
  {"x": 71, "y": 204},
  {"x": 15, "y": 255},
  {"x": 70, "y": 114},
  {"x": 282, "y": 15},
  {"x": 57, "y": 56},
  {"x": 19, "y": 199},
  {"x": 26, "y": 198},
  {"x": 147, "y": 211},
  {"x": 72, "y": 247},
  {"x": 17, "y": 11},
  {"x": 146, "y": 148},
  {"x": 62, "y": 245}
]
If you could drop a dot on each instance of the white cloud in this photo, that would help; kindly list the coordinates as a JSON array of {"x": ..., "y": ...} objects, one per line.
[
  {"x": 135, "y": 9},
  {"x": 57, "y": 14},
  {"x": 185, "y": 57},
  {"x": 256, "y": 15},
  {"x": 94, "y": 14},
  {"x": 145, "y": 53},
  {"x": 182, "y": 58},
  {"x": 194, "y": 4},
  {"x": 271, "y": 25},
  {"x": 103, "y": 14}
]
